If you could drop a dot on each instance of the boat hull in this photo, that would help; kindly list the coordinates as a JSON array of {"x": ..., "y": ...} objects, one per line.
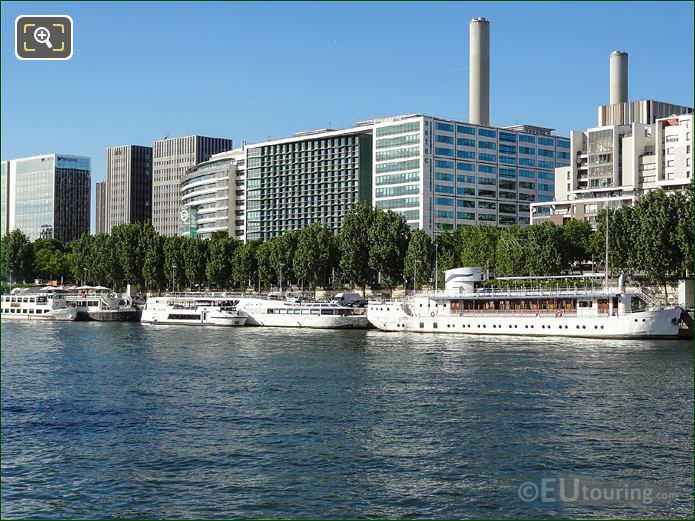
[
  {"x": 662, "y": 323},
  {"x": 67, "y": 314},
  {"x": 309, "y": 321}
]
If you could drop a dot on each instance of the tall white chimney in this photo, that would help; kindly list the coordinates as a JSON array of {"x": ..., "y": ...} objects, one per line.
[
  {"x": 479, "y": 72},
  {"x": 618, "y": 81}
]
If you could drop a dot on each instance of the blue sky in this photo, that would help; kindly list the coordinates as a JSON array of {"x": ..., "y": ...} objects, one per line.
[{"x": 250, "y": 71}]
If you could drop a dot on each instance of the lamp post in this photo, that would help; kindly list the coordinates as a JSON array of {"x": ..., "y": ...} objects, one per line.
[
  {"x": 281, "y": 264},
  {"x": 415, "y": 261},
  {"x": 84, "y": 278}
]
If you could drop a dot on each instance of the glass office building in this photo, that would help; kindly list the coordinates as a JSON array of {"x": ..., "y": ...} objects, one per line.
[
  {"x": 315, "y": 176},
  {"x": 47, "y": 196},
  {"x": 443, "y": 174}
]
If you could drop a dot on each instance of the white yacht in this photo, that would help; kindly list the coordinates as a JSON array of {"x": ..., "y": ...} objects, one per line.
[
  {"x": 35, "y": 303},
  {"x": 192, "y": 310},
  {"x": 99, "y": 303},
  {"x": 466, "y": 307},
  {"x": 265, "y": 311}
]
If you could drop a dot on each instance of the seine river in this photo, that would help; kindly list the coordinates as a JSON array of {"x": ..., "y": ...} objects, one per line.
[{"x": 130, "y": 421}]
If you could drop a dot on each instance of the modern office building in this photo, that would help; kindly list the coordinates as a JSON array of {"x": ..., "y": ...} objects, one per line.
[
  {"x": 442, "y": 174},
  {"x": 171, "y": 159},
  {"x": 101, "y": 207},
  {"x": 128, "y": 185},
  {"x": 315, "y": 176},
  {"x": 47, "y": 196},
  {"x": 213, "y": 196},
  {"x": 615, "y": 163}
]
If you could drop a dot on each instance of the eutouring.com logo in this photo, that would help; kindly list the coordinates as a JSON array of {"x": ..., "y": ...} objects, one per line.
[{"x": 591, "y": 490}]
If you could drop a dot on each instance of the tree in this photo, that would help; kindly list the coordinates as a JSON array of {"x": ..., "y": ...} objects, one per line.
[
  {"x": 129, "y": 251},
  {"x": 388, "y": 237},
  {"x": 546, "y": 254},
  {"x": 153, "y": 265},
  {"x": 195, "y": 259},
  {"x": 655, "y": 223},
  {"x": 512, "y": 251},
  {"x": 448, "y": 246},
  {"x": 622, "y": 255},
  {"x": 312, "y": 255},
  {"x": 17, "y": 256},
  {"x": 50, "y": 260},
  {"x": 282, "y": 256},
  {"x": 244, "y": 264},
  {"x": 355, "y": 246},
  {"x": 264, "y": 260},
  {"x": 478, "y": 245},
  {"x": 82, "y": 257},
  {"x": 577, "y": 234},
  {"x": 682, "y": 206},
  {"x": 102, "y": 270},
  {"x": 174, "y": 265},
  {"x": 419, "y": 258},
  {"x": 219, "y": 262}
]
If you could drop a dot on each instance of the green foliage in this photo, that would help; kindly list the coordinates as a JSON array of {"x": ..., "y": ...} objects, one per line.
[
  {"x": 420, "y": 249},
  {"x": 266, "y": 267},
  {"x": 477, "y": 245},
  {"x": 174, "y": 265},
  {"x": 51, "y": 262},
  {"x": 512, "y": 251},
  {"x": 546, "y": 252},
  {"x": 219, "y": 261},
  {"x": 388, "y": 238},
  {"x": 313, "y": 254},
  {"x": 655, "y": 235},
  {"x": 355, "y": 245},
  {"x": 244, "y": 263},
  {"x": 195, "y": 252},
  {"x": 577, "y": 236},
  {"x": 17, "y": 257},
  {"x": 153, "y": 265},
  {"x": 129, "y": 251}
]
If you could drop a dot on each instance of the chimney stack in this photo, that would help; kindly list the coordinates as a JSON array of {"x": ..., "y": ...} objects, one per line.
[
  {"x": 618, "y": 81},
  {"x": 479, "y": 72}
]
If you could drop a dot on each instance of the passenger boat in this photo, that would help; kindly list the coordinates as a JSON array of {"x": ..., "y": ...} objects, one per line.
[
  {"x": 287, "y": 313},
  {"x": 99, "y": 303},
  {"x": 192, "y": 310},
  {"x": 37, "y": 303},
  {"x": 464, "y": 306}
]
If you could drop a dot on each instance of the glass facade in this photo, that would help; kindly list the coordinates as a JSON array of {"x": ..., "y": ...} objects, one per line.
[
  {"x": 50, "y": 196},
  {"x": 317, "y": 178},
  {"x": 496, "y": 189}
]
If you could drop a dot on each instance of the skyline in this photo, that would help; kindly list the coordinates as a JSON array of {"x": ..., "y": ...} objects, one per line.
[{"x": 288, "y": 77}]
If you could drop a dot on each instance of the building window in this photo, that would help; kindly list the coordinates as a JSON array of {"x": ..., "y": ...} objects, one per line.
[
  {"x": 465, "y": 130},
  {"x": 487, "y": 132},
  {"x": 446, "y": 127}
]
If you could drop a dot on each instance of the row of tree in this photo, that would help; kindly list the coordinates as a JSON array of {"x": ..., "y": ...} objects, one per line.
[{"x": 374, "y": 248}]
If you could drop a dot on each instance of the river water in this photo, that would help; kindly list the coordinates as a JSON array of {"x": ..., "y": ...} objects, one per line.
[{"x": 130, "y": 421}]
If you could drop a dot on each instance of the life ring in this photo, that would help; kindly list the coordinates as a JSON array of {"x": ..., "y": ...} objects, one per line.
[
  {"x": 432, "y": 314},
  {"x": 558, "y": 313}
]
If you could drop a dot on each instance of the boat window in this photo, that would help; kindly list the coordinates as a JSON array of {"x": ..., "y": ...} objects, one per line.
[
  {"x": 315, "y": 312},
  {"x": 269, "y": 311},
  {"x": 422, "y": 324},
  {"x": 327, "y": 312}
]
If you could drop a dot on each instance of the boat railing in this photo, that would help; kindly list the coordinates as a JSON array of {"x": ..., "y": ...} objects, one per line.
[{"x": 567, "y": 292}]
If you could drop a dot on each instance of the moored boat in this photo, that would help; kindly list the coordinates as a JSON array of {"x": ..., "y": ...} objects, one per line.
[
  {"x": 287, "y": 313},
  {"x": 192, "y": 310},
  {"x": 37, "y": 303},
  {"x": 464, "y": 306},
  {"x": 100, "y": 304}
]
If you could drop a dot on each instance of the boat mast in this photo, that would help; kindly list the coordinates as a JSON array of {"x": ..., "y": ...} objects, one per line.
[{"x": 606, "y": 245}]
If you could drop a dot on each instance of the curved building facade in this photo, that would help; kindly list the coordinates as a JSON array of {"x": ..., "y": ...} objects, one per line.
[{"x": 213, "y": 197}]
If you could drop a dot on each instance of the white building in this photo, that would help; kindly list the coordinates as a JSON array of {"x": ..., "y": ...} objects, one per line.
[
  {"x": 213, "y": 196},
  {"x": 637, "y": 147},
  {"x": 442, "y": 174}
]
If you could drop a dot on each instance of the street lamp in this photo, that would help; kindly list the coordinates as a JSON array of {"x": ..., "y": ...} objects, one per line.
[
  {"x": 84, "y": 279},
  {"x": 281, "y": 264},
  {"x": 415, "y": 261}
]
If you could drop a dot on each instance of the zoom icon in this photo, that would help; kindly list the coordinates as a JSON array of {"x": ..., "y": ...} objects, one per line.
[{"x": 43, "y": 37}]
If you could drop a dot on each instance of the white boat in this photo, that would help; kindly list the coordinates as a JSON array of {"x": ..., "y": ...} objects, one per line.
[
  {"x": 287, "y": 313},
  {"x": 37, "y": 303},
  {"x": 466, "y": 307},
  {"x": 99, "y": 303},
  {"x": 192, "y": 310}
]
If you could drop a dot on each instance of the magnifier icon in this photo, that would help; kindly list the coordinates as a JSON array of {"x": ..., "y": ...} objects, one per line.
[{"x": 43, "y": 35}]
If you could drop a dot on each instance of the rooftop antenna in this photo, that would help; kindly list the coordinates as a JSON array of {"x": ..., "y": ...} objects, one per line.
[{"x": 166, "y": 134}]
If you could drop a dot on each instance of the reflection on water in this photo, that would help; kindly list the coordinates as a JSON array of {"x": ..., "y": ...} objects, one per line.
[{"x": 124, "y": 420}]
